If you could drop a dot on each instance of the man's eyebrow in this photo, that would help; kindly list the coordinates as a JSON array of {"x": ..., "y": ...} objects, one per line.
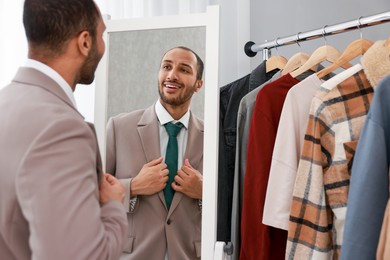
[
  {"x": 186, "y": 65},
  {"x": 181, "y": 64}
]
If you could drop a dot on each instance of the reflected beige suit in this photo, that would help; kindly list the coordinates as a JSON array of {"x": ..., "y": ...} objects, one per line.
[
  {"x": 132, "y": 141},
  {"x": 49, "y": 166}
]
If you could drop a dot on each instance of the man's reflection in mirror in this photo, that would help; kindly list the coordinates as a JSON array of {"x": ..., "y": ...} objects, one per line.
[{"x": 157, "y": 153}]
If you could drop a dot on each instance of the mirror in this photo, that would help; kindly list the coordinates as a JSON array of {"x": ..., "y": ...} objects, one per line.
[
  {"x": 126, "y": 80},
  {"x": 133, "y": 64}
]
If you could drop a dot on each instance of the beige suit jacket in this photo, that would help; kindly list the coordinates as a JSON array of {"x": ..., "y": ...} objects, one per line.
[
  {"x": 49, "y": 158},
  {"x": 132, "y": 141}
]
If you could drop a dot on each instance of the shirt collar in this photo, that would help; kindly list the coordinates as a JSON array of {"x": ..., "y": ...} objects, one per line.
[
  {"x": 164, "y": 117},
  {"x": 53, "y": 75}
]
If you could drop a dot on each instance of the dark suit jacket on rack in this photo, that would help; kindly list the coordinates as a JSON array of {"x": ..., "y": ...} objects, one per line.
[
  {"x": 49, "y": 198},
  {"x": 132, "y": 141}
]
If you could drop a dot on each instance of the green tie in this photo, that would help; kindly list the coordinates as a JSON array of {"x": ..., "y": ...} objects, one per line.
[{"x": 171, "y": 158}]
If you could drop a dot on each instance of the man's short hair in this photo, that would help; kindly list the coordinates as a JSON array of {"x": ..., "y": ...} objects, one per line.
[
  {"x": 199, "y": 62},
  {"x": 52, "y": 23}
]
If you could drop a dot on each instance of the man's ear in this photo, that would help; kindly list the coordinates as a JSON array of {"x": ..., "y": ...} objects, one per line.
[
  {"x": 84, "y": 41},
  {"x": 199, "y": 84}
]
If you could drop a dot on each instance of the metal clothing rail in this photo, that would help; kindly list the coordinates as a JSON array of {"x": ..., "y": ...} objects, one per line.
[{"x": 251, "y": 48}]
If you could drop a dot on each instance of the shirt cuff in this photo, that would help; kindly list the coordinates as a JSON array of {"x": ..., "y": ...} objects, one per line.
[{"x": 132, "y": 200}]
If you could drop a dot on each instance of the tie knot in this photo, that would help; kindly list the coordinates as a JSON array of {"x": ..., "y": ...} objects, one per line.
[{"x": 173, "y": 129}]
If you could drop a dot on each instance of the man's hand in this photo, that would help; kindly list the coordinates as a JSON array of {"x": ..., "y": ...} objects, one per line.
[
  {"x": 111, "y": 189},
  {"x": 151, "y": 179},
  {"x": 188, "y": 181}
]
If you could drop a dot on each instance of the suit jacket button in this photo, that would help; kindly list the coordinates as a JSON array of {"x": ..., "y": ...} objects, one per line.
[{"x": 168, "y": 221}]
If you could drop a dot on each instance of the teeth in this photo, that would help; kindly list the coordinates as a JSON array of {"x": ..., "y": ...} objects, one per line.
[{"x": 170, "y": 86}]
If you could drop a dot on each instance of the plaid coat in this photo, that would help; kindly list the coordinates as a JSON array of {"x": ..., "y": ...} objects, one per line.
[{"x": 320, "y": 193}]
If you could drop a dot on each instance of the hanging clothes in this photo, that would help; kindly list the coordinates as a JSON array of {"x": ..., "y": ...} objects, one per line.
[
  {"x": 257, "y": 240},
  {"x": 287, "y": 150},
  {"x": 321, "y": 170},
  {"x": 369, "y": 188},
  {"x": 244, "y": 117},
  {"x": 230, "y": 97},
  {"x": 318, "y": 208}
]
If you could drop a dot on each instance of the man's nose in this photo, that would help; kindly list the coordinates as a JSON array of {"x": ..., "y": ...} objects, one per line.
[{"x": 172, "y": 74}]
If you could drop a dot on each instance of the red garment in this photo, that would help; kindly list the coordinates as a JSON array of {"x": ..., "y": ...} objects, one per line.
[{"x": 258, "y": 241}]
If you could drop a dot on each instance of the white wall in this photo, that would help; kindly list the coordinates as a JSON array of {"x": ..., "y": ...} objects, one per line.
[
  {"x": 235, "y": 32},
  {"x": 13, "y": 44}
]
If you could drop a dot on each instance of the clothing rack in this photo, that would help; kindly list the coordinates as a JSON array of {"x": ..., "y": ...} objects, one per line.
[{"x": 251, "y": 48}]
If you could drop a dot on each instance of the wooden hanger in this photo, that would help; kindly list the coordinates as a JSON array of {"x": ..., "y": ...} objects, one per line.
[
  {"x": 296, "y": 61},
  {"x": 323, "y": 53},
  {"x": 275, "y": 62},
  {"x": 353, "y": 50}
]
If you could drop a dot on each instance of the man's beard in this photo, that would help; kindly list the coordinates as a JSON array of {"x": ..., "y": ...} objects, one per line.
[
  {"x": 178, "y": 100},
  {"x": 87, "y": 73}
]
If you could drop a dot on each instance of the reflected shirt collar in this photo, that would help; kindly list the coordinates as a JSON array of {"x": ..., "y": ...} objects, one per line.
[{"x": 164, "y": 117}]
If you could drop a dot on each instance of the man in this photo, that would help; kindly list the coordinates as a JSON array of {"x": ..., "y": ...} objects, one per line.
[
  {"x": 50, "y": 163},
  {"x": 161, "y": 226}
]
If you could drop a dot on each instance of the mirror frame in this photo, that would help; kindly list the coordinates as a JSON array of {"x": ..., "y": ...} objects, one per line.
[{"x": 210, "y": 20}]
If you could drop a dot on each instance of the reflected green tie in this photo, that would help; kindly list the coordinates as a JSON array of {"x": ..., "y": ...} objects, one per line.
[{"x": 171, "y": 159}]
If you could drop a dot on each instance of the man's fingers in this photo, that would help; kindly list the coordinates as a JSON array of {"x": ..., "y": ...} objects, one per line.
[
  {"x": 187, "y": 163},
  {"x": 186, "y": 170},
  {"x": 154, "y": 162},
  {"x": 176, "y": 186},
  {"x": 179, "y": 179},
  {"x": 165, "y": 172},
  {"x": 103, "y": 180},
  {"x": 181, "y": 174},
  {"x": 110, "y": 179},
  {"x": 162, "y": 166}
]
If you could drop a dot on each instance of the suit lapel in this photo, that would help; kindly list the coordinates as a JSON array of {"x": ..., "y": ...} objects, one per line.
[
  {"x": 194, "y": 145},
  {"x": 195, "y": 142},
  {"x": 149, "y": 134}
]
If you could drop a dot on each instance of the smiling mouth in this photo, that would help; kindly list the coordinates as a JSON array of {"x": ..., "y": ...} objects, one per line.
[{"x": 171, "y": 86}]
